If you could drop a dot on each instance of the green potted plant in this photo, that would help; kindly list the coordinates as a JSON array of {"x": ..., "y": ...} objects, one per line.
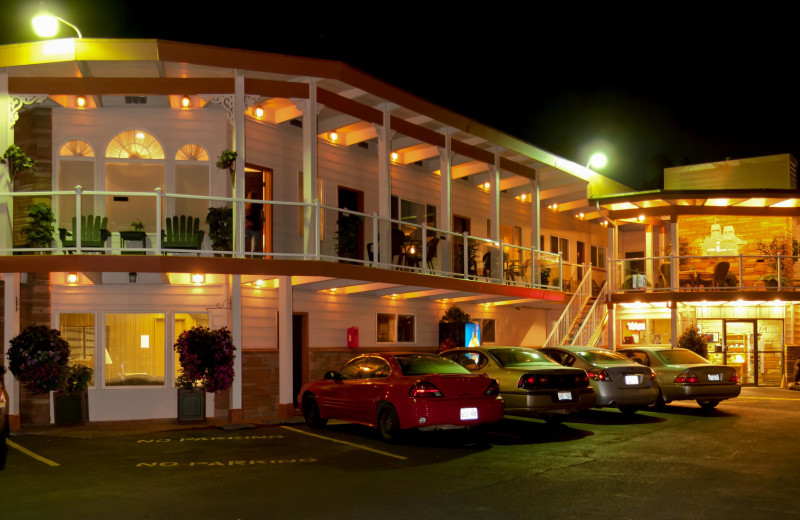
[
  {"x": 39, "y": 230},
  {"x": 227, "y": 161},
  {"x": 691, "y": 339},
  {"x": 220, "y": 228},
  {"x": 785, "y": 245},
  {"x": 71, "y": 400},
  {"x": 137, "y": 225},
  {"x": 545, "y": 275},
  {"x": 348, "y": 226},
  {"x": 17, "y": 161},
  {"x": 206, "y": 360}
]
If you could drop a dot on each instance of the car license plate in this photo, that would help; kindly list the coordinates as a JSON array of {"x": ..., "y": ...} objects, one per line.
[
  {"x": 632, "y": 380},
  {"x": 715, "y": 377},
  {"x": 469, "y": 414},
  {"x": 565, "y": 396}
]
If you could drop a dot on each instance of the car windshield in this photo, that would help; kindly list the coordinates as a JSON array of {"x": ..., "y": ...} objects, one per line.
[
  {"x": 423, "y": 364},
  {"x": 603, "y": 357},
  {"x": 680, "y": 357},
  {"x": 518, "y": 357}
]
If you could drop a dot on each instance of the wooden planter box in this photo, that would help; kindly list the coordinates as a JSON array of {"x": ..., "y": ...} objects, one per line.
[
  {"x": 71, "y": 408},
  {"x": 191, "y": 405}
]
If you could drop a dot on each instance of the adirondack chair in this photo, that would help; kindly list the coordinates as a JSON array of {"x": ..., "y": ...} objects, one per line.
[
  {"x": 182, "y": 233},
  {"x": 93, "y": 232}
]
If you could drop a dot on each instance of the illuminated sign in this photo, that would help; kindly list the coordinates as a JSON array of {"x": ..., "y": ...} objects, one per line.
[{"x": 635, "y": 325}]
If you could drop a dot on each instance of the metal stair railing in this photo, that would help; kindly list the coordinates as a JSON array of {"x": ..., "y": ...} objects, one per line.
[
  {"x": 562, "y": 327},
  {"x": 592, "y": 327}
]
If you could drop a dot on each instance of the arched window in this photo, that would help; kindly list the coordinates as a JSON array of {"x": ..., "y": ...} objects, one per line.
[
  {"x": 134, "y": 144},
  {"x": 75, "y": 168},
  {"x": 76, "y": 148},
  {"x": 192, "y": 178},
  {"x": 191, "y": 152}
]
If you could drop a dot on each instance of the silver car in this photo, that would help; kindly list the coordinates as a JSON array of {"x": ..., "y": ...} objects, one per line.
[
  {"x": 530, "y": 382},
  {"x": 3, "y": 419},
  {"x": 683, "y": 375},
  {"x": 617, "y": 381}
]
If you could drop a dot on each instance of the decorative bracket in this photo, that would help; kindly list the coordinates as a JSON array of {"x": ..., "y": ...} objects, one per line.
[
  {"x": 16, "y": 102},
  {"x": 226, "y": 100}
]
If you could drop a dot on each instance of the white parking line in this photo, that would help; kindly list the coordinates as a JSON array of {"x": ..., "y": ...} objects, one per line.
[
  {"x": 31, "y": 454},
  {"x": 400, "y": 457}
]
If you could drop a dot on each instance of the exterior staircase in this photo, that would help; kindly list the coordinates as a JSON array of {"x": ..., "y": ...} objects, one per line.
[{"x": 584, "y": 318}]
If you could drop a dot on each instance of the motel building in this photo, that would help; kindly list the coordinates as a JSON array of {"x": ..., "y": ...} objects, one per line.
[{"x": 358, "y": 214}]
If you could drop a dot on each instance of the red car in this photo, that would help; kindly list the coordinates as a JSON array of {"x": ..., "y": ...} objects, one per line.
[{"x": 397, "y": 392}]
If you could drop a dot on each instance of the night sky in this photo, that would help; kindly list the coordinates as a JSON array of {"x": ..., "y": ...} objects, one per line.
[{"x": 652, "y": 85}]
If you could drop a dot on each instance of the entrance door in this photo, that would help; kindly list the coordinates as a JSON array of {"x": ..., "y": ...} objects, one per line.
[
  {"x": 299, "y": 350},
  {"x": 741, "y": 346},
  {"x": 258, "y": 185},
  {"x": 350, "y": 228},
  {"x": 460, "y": 225}
]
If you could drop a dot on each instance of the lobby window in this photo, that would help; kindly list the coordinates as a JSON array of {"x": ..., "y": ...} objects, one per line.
[
  {"x": 78, "y": 330},
  {"x": 135, "y": 349},
  {"x": 560, "y": 245},
  {"x": 396, "y": 328}
]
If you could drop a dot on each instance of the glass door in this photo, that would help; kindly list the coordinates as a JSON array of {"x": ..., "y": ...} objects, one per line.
[
  {"x": 740, "y": 346},
  {"x": 769, "y": 354}
]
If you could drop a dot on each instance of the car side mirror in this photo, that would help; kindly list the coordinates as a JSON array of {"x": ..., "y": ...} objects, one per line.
[{"x": 330, "y": 374}]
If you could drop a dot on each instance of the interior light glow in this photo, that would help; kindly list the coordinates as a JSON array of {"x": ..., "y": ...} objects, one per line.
[
  {"x": 139, "y": 134},
  {"x": 641, "y": 218},
  {"x": 259, "y": 283}
]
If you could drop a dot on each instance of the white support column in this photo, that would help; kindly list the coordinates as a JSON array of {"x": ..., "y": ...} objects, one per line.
[
  {"x": 613, "y": 265},
  {"x": 239, "y": 148},
  {"x": 674, "y": 247},
  {"x": 611, "y": 328},
  {"x": 649, "y": 268},
  {"x": 673, "y": 325},
  {"x": 310, "y": 130},
  {"x": 446, "y": 203},
  {"x": 11, "y": 329},
  {"x": 285, "y": 347},
  {"x": 6, "y": 140},
  {"x": 494, "y": 212},
  {"x": 235, "y": 412},
  {"x": 536, "y": 212},
  {"x": 384, "y": 131}
]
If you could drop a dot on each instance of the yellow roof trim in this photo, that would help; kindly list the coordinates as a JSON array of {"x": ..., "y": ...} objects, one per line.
[{"x": 72, "y": 49}]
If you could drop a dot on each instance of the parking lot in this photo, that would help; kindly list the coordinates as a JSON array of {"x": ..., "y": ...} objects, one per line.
[{"x": 738, "y": 461}]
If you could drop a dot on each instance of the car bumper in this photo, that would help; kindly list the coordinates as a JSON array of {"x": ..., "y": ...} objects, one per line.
[
  {"x": 695, "y": 391},
  {"x": 537, "y": 401},
  {"x": 608, "y": 395},
  {"x": 431, "y": 413}
]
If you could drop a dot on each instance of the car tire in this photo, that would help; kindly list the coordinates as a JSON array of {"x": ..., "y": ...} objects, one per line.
[
  {"x": 311, "y": 413},
  {"x": 389, "y": 424},
  {"x": 660, "y": 402},
  {"x": 708, "y": 404},
  {"x": 628, "y": 409}
]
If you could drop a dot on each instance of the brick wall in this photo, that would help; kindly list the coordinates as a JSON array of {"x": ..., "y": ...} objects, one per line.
[
  {"x": 33, "y": 133},
  {"x": 260, "y": 385}
]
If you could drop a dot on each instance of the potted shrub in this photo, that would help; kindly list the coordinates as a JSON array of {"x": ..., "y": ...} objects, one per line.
[
  {"x": 39, "y": 230},
  {"x": 206, "y": 359},
  {"x": 545, "y": 275},
  {"x": 71, "y": 400},
  {"x": 784, "y": 245},
  {"x": 137, "y": 225},
  {"x": 38, "y": 358},
  {"x": 220, "y": 228},
  {"x": 691, "y": 339},
  {"x": 17, "y": 162},
  {"x": 227, "y": 161}
]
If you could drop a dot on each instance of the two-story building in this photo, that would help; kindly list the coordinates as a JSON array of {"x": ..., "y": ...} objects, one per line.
[{"x": 357, "y": 214}]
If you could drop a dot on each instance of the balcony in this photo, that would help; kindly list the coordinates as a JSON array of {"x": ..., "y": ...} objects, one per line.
[{"x": 336, "y": 235}]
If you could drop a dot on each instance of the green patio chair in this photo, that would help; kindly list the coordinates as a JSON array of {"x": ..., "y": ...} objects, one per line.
[
  {"x": 93, "y": 232},
  {"x": 182, "y": 233}
]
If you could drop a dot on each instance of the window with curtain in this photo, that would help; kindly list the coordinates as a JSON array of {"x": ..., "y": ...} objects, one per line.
[{"x": 135, "y": 349}]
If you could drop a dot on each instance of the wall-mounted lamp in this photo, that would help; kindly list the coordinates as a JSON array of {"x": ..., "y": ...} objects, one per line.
[
  {"x": 259, "y": 112},
  {"x": 80, "y": 101},
  {"x": 72, "y": 278},
  {"x": 333, "y": 136},
  {"x": 199, "y": 278},
  {"x": 132, "y": 277},
  {"x": 641, "y": 218},
  {"x": 259, "y": 283},
  {"x": 186, "y": 102},
  {"x": 394, "y": 156},
  {"x": 487, "y": 185}
]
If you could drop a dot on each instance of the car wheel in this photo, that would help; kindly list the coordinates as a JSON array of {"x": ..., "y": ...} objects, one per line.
[
  {"x": 311, "y": 413},
  {"x": 554, "y": 419},
  {"x": 480, "y": 435},
  {"x": 389, "y": 424},
  {"x": 708, "y": 404},
  {"x": 628, "y": 409},
  {"x": 660, "y": 402}
]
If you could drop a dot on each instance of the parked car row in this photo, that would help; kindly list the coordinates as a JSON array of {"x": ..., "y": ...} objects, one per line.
[{"x": 471, "y": 387}]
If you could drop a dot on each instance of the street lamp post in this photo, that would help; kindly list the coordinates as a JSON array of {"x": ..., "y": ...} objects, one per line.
[
  {"x": 46, "y": 25},
  {"x": 597, "y": 160}
]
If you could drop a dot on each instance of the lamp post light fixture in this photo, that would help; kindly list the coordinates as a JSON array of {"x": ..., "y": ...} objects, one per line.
[
  {"x": 46, "y": 25},
  {"x": 597, "y": 160}
]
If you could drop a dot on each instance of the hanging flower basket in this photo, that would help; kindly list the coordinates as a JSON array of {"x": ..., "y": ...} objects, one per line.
[{"x": 206, "y": 357}]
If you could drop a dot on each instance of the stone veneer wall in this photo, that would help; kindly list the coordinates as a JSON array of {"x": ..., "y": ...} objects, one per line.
[
  {"x": 260, "y": 385},
  {"x": 34, "y": 309}
]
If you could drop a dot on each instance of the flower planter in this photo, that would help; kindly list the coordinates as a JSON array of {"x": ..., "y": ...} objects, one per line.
[
  {"x": 191, "y": 405},
  {"x": 71, "y": 408}
]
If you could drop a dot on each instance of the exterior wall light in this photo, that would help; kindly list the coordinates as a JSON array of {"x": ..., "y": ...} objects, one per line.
[
  {"x": 46, "y": 25},
  {"x": 199, "y": 278},
  {"x": 259, "y": 112},
  {"x": 394, "y": 156},
  {"x": 132, "y": 277},
  {"x": 80, "y": 101},
  {"x": 186, "y": 102},
  {"x": 333, "y": 136},
  {"x": 72, "y": 278}
]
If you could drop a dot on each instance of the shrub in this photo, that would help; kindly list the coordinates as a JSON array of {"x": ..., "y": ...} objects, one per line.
[
  {"x": 206, "y": 356},
  {"x": 38, "y": 358}
]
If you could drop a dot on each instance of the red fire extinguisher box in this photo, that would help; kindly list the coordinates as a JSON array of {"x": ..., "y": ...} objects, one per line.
[{"x": 352, "y": 337}]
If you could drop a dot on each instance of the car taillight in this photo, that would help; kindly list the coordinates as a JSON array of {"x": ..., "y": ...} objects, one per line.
[
  {"x": 652, "y": 374},
  {"x": 598, "y": 375},
  {"x": 687, "y": 377},
  {"x": 532, "y": 380},
  {"x": 425, "y": 389},
  {"x": 494, "y": 388},
  {"x": 734, "y": 378}
]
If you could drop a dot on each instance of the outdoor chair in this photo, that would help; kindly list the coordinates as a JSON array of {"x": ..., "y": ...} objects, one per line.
[
  {"x": 182, "y": 233},
  {"x": 398, "y": 239},
  {"x": 93, "y": 232},
  {"x": 430, "y": 252},
  {"x": 720, "y": 273}
]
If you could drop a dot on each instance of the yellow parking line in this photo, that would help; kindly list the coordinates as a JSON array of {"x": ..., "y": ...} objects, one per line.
[
  {"x": 769, "y": 398},
  {"x": 31, "y": 454},
  {"x": 345, "y": 442}
]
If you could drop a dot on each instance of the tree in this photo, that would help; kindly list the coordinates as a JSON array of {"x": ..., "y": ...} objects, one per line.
[{"x": 691, "y": 339}]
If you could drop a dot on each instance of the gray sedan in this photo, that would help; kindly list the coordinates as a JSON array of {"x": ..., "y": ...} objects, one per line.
[
  {"x": 617, "y": 381},
  {"x": 530, "y": 382},
  {"x": 683, "y": 375}
]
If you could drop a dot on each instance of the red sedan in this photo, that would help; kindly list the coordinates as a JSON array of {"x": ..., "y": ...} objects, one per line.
[{"x": 397, "y": 392}]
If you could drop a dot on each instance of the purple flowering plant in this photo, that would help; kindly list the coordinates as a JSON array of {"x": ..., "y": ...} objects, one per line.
[
  {"x": 38, "y": 358},
  {"x": 206, "y": 358}
]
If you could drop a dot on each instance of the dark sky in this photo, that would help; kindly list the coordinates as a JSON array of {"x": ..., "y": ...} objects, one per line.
[{"x": 652, "y": 84}]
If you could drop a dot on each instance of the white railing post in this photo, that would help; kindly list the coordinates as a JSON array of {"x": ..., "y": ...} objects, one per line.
[
  {"x": 501, "y": 261},
  {"x": 424, "y": 252},
  {"x": 318, "y": 230},
  {"x": 466, "y": 254},
  {"x": 779, "y": 271},
  {"x": 741, "y": 272},
  {"x": 78, "y": 226},
  {"x": 376, "y": 246},
  {"x": 560, "y": 272},
  {"x": 157, "y": 239}
]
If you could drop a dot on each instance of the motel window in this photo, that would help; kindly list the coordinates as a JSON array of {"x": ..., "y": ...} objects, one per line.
[
  {"x": 192, "y": 169},
  {"x": 75, "y": 168},
  {"x": 396, "y": 328},
  {"x": 135, "y": 353},
  {"x": 488, "y": 330},
  {"x": 184, "y": 322},
  {"x": 415, "y": 213},
  {"x": 78, "y": 330},
  {"x": 598, "y": 257},
  {"x": 560, "y": 245}
]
